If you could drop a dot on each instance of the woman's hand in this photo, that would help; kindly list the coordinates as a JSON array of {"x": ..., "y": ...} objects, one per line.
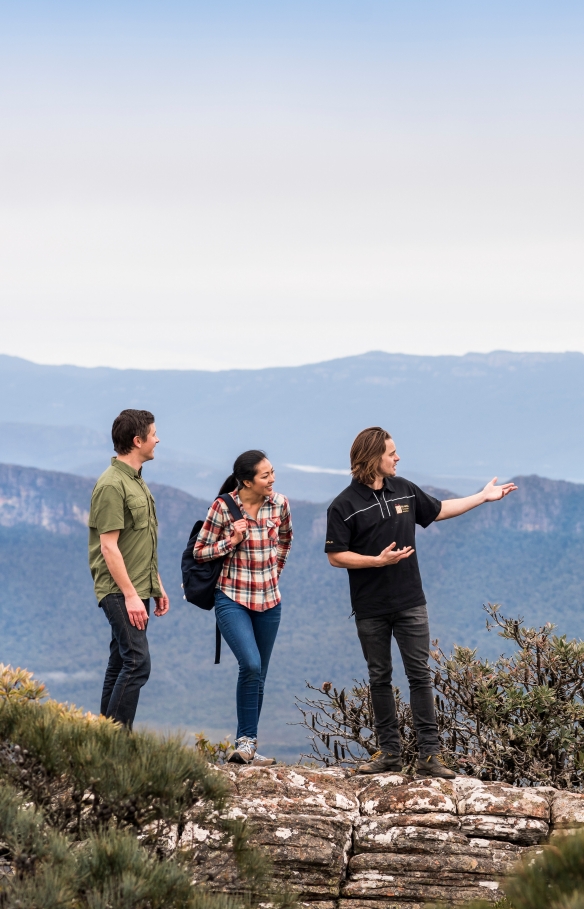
[{"x": 239, "y": 531}]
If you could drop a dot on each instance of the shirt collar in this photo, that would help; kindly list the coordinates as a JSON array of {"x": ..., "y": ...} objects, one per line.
[
  {"x": 367, "y": 493},
  {"x": 125, "y": 468},
  {"x": 235, "y": 497}
]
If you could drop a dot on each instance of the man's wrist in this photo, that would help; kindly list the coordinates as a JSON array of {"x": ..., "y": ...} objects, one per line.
[{"x": 132, "y": 592}]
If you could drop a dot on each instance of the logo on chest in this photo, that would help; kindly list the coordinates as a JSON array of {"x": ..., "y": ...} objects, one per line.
[{"x": 402, "y": 509}]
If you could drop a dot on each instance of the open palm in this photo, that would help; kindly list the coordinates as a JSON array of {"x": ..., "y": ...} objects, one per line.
[{"x": 493, "y": 492}]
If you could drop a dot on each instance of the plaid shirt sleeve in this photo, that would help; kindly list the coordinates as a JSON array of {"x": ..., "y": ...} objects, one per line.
[
  {"x": 214, "y": 539},
  {"x": 284, "y": 537}
]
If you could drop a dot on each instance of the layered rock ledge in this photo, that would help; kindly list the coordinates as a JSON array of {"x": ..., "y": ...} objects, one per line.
[{"x": 342, "y": 841}]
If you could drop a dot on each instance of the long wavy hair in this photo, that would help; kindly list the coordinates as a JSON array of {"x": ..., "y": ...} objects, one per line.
[{"x": 366, "y": 453}]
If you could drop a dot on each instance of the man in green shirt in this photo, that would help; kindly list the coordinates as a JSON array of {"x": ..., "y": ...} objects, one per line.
[{"x": 123, "y": 537}]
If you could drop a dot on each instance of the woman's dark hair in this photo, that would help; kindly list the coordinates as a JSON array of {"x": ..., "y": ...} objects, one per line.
[
  {"x": 128, "y": 425},
  {"x": 244, "y": 468}
]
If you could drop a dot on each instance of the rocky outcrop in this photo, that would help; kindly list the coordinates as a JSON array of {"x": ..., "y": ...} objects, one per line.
[{"x": 388, "y": 842}]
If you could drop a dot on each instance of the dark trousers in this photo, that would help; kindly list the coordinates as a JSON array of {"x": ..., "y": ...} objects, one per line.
[
  {"x": 128, "y": 667},
  {"x": 411, "y": 631}
]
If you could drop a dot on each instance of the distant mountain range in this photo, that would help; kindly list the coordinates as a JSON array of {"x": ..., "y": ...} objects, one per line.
[
  {"x": 526, "y": 552},
  {"x": 457, "y": 421}
]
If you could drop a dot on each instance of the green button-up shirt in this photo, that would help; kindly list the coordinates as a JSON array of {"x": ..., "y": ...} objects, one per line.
[{"x": 122, "y": 501}]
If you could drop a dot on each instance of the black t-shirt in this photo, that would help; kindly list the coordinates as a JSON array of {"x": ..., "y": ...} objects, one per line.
[{"x": 364, "y": 520}]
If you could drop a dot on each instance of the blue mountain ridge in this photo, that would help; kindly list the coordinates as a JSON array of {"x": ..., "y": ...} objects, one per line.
[{"x": 456, "y": 420}]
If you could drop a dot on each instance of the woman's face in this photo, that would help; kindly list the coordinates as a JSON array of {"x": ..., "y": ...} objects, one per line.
[{"x": 263, "y": 482}]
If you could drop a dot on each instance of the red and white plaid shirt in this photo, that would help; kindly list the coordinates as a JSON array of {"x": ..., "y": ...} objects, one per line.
[{"x": 251, "y": 570}]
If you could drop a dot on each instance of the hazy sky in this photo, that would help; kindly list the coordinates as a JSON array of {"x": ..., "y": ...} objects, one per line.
[{"x": 250, "y": 184}]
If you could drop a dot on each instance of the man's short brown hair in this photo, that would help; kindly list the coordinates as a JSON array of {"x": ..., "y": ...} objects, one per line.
[
  {"x": 128, "y": 425},
  {"x": 366, "y": 453}
]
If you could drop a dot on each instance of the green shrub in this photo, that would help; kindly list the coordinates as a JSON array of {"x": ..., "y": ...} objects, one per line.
[
  {"x": 93, "y": 816},
  {"x": 519, "y": 719},
  {"x": 552, "y": 880},
  {"x": 86, "y": 771},
  {"x": 108, "y": 870},
  {"x": 215, "y": 752}
]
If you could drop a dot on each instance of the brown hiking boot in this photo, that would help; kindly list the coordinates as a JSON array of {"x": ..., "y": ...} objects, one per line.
[
  {"x": 433, "y": 766},
  {"x": 382, "y": 762}
]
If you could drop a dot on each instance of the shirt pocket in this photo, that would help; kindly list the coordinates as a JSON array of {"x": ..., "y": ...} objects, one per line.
[
  {"x": 138, "y": 507},
  {"x": 273, "y": 527}
]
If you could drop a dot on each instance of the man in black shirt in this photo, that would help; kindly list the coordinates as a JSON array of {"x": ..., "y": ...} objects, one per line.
[{"x": 371, "y": 532}]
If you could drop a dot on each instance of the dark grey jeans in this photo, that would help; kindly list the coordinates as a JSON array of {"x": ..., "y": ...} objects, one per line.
[
  {"x": 411, "y": 631},
  {"x": 128, "y": 668}
]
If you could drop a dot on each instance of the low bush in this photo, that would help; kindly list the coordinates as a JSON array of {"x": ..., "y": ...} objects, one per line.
[
  {"x": 93, "y": 816},
  {"x": 108, "y": 870},
  {"x": 519, "y": 719}
]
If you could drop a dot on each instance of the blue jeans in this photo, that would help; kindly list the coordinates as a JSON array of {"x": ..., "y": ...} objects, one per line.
[
  {"x": 251, "y": 636},
  {"x": 128, "y": 668}
]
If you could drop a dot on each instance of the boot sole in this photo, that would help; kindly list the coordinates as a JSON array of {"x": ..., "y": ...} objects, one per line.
[
  {"x": 237, "y": 759},
  {"x": 434, "y": 776}
]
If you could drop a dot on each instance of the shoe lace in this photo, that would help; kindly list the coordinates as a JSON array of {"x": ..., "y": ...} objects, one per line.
[
  {"x": 376, "y": 755},
  {"x": 246, "y": 745},
  {"x": 438, "y": 757}
]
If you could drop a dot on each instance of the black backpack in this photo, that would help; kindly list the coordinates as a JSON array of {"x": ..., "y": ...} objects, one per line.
[{"x": 200, "y": 578}]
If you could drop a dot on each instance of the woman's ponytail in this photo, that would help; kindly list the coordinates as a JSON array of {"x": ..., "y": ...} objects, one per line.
[
  {"x": 244, "y": 468},
  {"x": 229, "y": 484}
]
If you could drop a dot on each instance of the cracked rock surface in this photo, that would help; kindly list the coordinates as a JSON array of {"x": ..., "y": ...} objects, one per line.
[{"x": 342, "y": 841}]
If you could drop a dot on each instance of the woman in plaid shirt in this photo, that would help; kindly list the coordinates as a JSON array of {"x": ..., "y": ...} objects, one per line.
[{"x": 247, "y": 598}]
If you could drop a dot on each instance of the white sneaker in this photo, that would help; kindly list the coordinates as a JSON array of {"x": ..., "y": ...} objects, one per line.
[
  {"x": 245, "y": 749},
  {"x": 260, "y": 761}
]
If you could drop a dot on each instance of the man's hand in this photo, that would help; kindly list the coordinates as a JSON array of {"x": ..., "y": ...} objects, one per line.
[
  {"x": 493, "y": 493},
  {"x": 390, "y": 555},
  {"x": 239, "y": 531},
  {"x": 452, "y": 508},
  {"x": 162, "y": 604},
  {"x": 136, "y": 611}
]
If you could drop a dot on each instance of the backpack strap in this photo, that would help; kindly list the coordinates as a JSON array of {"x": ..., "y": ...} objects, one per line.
[
  {"x": 232, "y": 506},
  {"x": 217, "y": 644}
]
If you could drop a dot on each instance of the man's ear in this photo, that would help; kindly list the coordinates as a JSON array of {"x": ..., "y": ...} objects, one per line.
[{"x": 137, "y": 442}]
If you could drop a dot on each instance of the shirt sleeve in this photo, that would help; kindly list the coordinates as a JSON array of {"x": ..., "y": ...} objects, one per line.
[
  {"x": 214, "y": 539},
  {"x": 338, "y": 532},
  {"x": 107, "y": 510},
  {"x": 285, "y": 536},
  {"x": 427, "y": 507}
]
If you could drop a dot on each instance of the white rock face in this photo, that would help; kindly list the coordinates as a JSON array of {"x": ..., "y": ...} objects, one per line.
[{"x": 342, "y": 841}]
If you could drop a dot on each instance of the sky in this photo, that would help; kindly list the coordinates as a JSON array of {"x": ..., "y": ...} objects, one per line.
[{"x": 221, "y": 185}]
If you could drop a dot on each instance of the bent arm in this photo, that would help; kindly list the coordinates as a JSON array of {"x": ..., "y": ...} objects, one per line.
[
  {"x": 451, "y": 508},
  {"x": 117, "y": 568},
  {"x": 352, "y": 560},
  {"x": 212, "y": 542},
  {"x": 115, "y": 562},
  {"x": 388, "y": 556}
]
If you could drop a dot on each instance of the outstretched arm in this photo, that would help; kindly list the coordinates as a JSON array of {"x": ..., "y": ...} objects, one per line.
[{"x": 451, "y": 508}]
